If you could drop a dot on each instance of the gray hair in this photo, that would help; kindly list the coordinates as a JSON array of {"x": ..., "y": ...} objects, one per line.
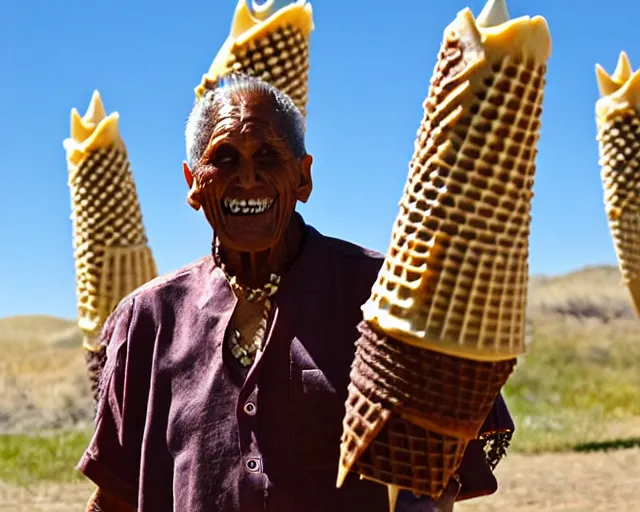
[{"x": 201, "y": 120}]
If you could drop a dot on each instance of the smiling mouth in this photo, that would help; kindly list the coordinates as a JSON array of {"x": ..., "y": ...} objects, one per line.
[{"x": 246, "y": 206}]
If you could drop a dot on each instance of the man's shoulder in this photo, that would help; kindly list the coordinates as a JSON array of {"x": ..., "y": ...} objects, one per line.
[
  {"x": 353, "y": 264},
  {"x": 352, "y": 250},
  {"x": 158, "y": 294},
  {"x": 180, "y": 278}
]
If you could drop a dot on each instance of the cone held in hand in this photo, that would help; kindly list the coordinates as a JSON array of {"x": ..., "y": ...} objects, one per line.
[
  {"x": 445, "y": 394},
  {"x": 383, "y": 447},
  {"x": 618, "y": 125},
  {"x": 270, "y": 42},
  {"x": 434, "y": 404},
  {"x": 112, "y": 257},
  {"x": 455, "y": 275},
  {"x": 446, "y": 317}
]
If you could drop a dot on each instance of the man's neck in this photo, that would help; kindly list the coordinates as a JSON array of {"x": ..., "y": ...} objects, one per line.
[{"x": 254, "y": 269}]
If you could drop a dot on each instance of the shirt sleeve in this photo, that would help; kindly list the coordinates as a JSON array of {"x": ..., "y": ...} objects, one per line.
[
  {"x": 476, "y": 476},
  {"x": 112, "y": 459}
]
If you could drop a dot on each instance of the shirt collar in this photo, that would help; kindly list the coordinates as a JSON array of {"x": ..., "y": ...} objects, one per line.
[{"x": 308, "y": 271}]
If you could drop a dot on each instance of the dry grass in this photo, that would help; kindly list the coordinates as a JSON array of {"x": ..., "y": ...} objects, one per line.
[
  {"x": 577, "y": 482},
  {"x": 51, "y": 457},
  {"x": 593, "y": 293},
  {"x": 580, "y": 381},
  {"x": 43, "y": 383}
]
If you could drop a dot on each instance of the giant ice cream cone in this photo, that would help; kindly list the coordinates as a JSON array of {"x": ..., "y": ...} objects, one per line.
[
  {"x": 618, "y": 124},
  {"x": 112, "y": 257},
  {"x": 270, "y": 41},
  {"x": 456, "y": 272},
  {"x": 446, "y": 317}
]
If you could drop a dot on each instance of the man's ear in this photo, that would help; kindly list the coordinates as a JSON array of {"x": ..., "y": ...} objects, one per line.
[
  {"x": 306, "y": 183},
  {"x": 193, "y": 196},
  {"x": 187, "y": 174}
]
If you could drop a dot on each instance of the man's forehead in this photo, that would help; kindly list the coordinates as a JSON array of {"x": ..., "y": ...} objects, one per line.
[{"x": 248, "y": 110}]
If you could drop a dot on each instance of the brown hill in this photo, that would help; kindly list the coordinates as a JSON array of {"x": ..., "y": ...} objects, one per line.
[{"x": 592, "y": 292}]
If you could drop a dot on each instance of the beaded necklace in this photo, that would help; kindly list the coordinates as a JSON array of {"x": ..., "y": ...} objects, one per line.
[{"x": 246, "y": 353}]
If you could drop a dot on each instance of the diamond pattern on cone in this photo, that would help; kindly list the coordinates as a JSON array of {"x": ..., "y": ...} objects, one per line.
[
  {"x": 412, "y": 458},
  {"x": 619, "y": 146},
  {"x": 442, "y": 393},
  {"x": 455, "y": 275},
  {"x": 280, "y": 56},
  {"x": 363, "y": 420},
  {"x": 111, "y": 254}
]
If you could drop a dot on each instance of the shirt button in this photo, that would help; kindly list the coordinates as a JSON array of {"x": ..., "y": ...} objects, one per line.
[
  {"x": 252, "y": 465},
  {"x": 250, "y": 408}
]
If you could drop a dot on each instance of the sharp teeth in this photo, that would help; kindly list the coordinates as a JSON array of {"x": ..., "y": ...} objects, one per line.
[{"x": 247, "y": 206}]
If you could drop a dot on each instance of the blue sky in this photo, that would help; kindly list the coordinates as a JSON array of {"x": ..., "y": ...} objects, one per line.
[{"x": 370, "y": 68}]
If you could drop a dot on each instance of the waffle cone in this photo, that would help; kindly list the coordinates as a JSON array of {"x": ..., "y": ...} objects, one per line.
[
  {"x": 111, "y": 254},
  {"x": 95, "y": 359},
  {"x": 441, "y": 393},
  {"x": 618, "y": 122},
  {"x": 455, "y": 275},
  {"x": 634, "y": 290},
  {"x": 363, "y": 421},
  {"x": 395, "y": 452},
  {"x": 275, "y": 49}
]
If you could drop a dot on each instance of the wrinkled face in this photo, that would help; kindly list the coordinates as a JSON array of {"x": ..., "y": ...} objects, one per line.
[{"x": 248, "y": 180}]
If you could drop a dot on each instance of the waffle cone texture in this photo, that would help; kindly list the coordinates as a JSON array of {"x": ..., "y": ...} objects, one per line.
[
  {"x": 411, "y": 412},
  {"x": 455, "y": 275},
  {"x": 446, "y": 394},
  {"x": 111, "y": 253},
  {"x": 618, "y": 124},
  {"x": 387, "y": 449},
  {"x": 272, "y": 45}
]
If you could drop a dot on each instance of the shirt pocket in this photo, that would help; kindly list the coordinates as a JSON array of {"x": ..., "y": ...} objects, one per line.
[{"x": 318, "y": 413}]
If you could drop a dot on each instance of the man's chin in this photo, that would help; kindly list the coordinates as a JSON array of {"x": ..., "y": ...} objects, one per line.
[
  {"x": 247, "y": 243},
  {"x": 248, "y": 233}
]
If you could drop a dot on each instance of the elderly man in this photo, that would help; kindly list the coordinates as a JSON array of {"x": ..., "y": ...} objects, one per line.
[{"x": 225, "y": 380}]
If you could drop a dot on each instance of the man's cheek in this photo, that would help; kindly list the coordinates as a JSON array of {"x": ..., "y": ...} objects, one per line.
[
  {"x": 193, "y": 196},
  {"x": 211, "y": 209}
]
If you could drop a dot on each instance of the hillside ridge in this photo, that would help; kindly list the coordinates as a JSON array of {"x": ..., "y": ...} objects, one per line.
[{"x": 595, "y": 284}]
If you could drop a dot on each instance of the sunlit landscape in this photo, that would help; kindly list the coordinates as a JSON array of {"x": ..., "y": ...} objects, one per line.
[{"x": 575, "y": 398}]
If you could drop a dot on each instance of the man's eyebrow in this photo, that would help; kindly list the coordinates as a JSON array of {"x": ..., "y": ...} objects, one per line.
[
  {"x": 258, "y": 119},
  {"x": 224, "y": 124},
  {"x": 214, "y": 141},
  {"x": 263, "y": 122}
]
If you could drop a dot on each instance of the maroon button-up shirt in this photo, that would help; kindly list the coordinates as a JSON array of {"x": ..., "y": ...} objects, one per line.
[{"x": 179, "y": 428}]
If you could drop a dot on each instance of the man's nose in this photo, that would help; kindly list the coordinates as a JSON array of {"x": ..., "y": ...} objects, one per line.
[{"x": 247, "y": 176}]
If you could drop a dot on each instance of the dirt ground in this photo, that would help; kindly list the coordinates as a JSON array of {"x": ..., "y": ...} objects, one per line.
[
  {"x": 602, "y": 481},
  {"x": 599, "y": 481}
]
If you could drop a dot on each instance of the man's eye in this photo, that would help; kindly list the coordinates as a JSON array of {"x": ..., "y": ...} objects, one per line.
[
  {"x": 266, "y": 153},
  {"x": 225, "y": 155}
]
